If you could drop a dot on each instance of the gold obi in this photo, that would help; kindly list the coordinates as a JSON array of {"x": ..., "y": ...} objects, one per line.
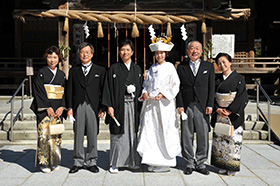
[
  {"x": 54, "y": 91},
  {"x": 225, "y": 99}
]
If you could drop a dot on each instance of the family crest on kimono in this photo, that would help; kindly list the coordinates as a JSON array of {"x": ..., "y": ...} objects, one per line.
[
  {"x": 230, "y": 101},
  {"x": 48, "y": 106},
  {"x": 84, "y": 93},
  {"x": 159, "y": 141},
  {"x": 123, "y": 85}
]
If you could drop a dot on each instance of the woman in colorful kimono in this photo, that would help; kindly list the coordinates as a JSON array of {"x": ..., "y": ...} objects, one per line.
[
  {"x": 49, "y": 102},
  {"x": 230, "y": 101},
  {"x": 159, "y": 141}
]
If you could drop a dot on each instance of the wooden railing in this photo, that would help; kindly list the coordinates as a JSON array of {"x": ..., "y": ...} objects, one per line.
[
  {"x": 13, "y": 70},
  {"x": 256, "y": 64},
  {"x": 259, "y": 67}
]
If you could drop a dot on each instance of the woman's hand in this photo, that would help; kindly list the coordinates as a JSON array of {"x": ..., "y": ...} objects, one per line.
[
  {"x": 222, "y": 112},
  {"x": 50, "y": 112},
  {"x": 111, "y": 111},
  {"x": 146, "y": 96},
  {"x": 158, "y": 97},
  {"x": 229, "y": 112},
  {"x": 59, "y": 111}
]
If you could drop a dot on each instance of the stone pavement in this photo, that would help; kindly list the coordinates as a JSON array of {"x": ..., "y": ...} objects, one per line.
[{"x": 260, "y": 165}]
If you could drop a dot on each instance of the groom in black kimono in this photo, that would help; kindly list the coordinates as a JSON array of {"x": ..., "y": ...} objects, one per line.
[
  {"x": 196, "y": 98},
  {"x": 84, "y": 93},
  {"x": 122, "y": 88}
]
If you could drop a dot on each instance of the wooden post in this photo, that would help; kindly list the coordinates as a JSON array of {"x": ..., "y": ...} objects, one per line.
[
  {"x": 63, "y": 37},
  {"x": 204, "y": 43},
  {"x": 251, "y": 54},
  {"x": 204, "y": 39},
  {"x": 125, "y": 31},
  {"x": 251, "y": 33},
  {"x": 117, "y": 42},
  {"x": 135, "y": 50},
  {"x": 109, "y": 45},
  {"x": 144, "y": 65}
]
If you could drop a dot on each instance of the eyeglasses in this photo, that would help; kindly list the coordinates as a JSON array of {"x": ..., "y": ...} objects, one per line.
[
  {"x": 85, "y": 52},
  {"x": 194, "y": 48}
]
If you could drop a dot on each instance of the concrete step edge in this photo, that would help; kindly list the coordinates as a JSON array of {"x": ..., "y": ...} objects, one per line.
[{"x": 107, "y": 141}]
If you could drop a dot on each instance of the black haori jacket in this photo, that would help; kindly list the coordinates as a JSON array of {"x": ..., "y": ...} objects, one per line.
[{"x": 115, "y": 88}]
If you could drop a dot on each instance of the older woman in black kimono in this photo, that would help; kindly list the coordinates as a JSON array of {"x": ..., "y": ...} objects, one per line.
[
  {"x": 230, "y": 101},
  {"x": 49, "y": 102}
]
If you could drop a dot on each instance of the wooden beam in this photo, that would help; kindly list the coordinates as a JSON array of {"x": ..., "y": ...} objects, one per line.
[{"x": 109, "y": 51}]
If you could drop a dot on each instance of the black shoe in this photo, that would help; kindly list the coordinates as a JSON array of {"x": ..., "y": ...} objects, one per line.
[
  {"x": 203, "y": 171},
  {"x": 93, "y": 169},
  {"x": 188, "y": 171},
  {"x": 74, "y": 169}
]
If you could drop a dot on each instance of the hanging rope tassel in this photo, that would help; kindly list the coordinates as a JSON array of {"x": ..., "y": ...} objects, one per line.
[
  {"x": 135, "y": 31},
  {"x": 168, "y": 31},
  {"x": 66, "y": 21},
  {"x": 203, "y": 27},
  {"x": 66, "y": 25},
  {"x": 100, "y": 31}
]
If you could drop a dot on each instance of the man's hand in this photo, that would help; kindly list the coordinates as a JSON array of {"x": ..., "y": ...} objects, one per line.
[
  {"x": 209, "y": 110},
  {"x": 180, "y": 110},
  {"x": 111, "y": 111},
  {"x": 70, "y": 112},
  {"x": 101, "y": 114}
]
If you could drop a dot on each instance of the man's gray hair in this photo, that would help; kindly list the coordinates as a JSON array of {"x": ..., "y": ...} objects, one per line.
[
  {"x": 84, "y": 44},
  {"x": 189, "y": 44}
]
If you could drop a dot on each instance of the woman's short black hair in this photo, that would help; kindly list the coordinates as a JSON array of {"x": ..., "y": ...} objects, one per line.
[
  {"x": 127, "y": 42},
  {"x": 50, "y": 50},
  {"x": 223, "y": 55}
]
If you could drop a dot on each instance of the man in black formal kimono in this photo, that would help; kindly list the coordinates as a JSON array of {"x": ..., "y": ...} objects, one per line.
[
  {"x": 84, "y": 93},
  {"x": 196, "y": 98},
  {"x": 122, "y": 88}
]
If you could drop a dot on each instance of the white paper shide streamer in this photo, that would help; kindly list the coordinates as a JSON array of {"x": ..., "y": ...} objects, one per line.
[
  {"x": 115, "y": 28},
  {"x": 152, "y": 32},
  {"x": 86, "y": 29},
  {"x": 184, "y": 32}
]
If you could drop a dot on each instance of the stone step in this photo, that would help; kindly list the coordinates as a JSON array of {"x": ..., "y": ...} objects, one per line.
[
  {"x": 254, "y": 125},
  {"x": 105, "y": 135},
  {"x": 32, "y": 135},
  {"x": 26, "y": 115},
  {"x": 255, "y": 135},
  {"x": 26, "y": 129},
  {"x": 32, "y": 125}
]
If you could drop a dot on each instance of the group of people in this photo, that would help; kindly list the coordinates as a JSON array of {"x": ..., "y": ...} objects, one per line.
[{"x": 132, "y": 102}]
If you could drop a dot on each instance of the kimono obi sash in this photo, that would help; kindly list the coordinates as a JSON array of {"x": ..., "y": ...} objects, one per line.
[
  {"x": 54, "y": 91},
  {"x": 225, "y": 99}
]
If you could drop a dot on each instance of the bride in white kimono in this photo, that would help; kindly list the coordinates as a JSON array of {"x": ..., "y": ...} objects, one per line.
[{"x": 159, "y": 141}]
